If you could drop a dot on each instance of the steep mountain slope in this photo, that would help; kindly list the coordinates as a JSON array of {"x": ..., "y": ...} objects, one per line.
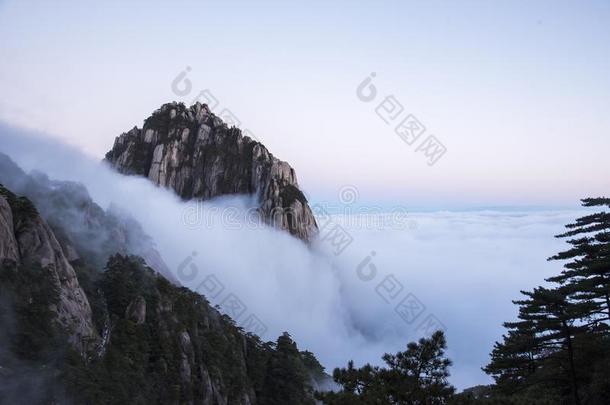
[
  {"x": 27, "y": 239},
  {"x": 72, "y": 334},
  {"x": 168, "y": 345},
  {"x": 193, "y": 152}
]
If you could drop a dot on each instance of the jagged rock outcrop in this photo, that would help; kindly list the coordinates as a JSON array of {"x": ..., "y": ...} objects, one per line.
[
  {"x": 136, "y": 310},
  {"x": 26, "y": 238},
  {"x": 193, "y": 152}
]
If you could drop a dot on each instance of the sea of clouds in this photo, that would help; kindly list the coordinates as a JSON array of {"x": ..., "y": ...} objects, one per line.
[{"x": 389, "y": 285}]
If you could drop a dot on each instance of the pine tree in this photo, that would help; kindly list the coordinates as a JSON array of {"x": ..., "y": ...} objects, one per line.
[
  {"x": 415, "y": 376},
  {"x": 515, "y": 361},
  {"x": 286, "y": 380},
  {"x": 419, "y": 374},
  {"x": 559, "y": 347},
  {"x": 540, "y": 349},
  {"x": 587, "y": 275}
]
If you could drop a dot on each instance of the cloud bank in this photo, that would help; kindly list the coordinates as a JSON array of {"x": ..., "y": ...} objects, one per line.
[{"x": 390, "y": 285}]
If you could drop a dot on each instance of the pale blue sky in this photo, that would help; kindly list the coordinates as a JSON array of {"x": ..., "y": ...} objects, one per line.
[{"x": 518, "y": 92}]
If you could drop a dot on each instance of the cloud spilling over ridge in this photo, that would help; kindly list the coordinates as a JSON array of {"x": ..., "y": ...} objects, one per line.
[{"x": 458, "y": 269}]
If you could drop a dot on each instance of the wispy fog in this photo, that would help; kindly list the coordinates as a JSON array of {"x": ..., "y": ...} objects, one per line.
[{"x": 459, "y": 269}]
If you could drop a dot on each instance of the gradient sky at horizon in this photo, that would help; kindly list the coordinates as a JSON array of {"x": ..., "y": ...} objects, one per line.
[{"x": 517, "y": 91}]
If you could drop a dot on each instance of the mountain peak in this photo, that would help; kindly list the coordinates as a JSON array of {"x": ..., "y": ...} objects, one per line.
[{"x": 194, "y": 152}]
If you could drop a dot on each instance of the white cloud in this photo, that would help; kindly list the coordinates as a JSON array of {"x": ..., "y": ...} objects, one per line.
[{"x": 464, "y": 267}]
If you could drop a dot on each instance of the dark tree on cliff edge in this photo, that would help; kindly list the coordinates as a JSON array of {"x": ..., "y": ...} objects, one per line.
[
  {"x": 286, "y": 381},
  {"x": 586, "y": 276},
  {"x": 540, "y": 346},
  {"x": 415, "y": 376},
  {"x": 560, "y": 346}
]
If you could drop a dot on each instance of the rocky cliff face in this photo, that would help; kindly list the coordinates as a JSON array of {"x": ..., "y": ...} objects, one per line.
[
  {"x": 9, "y": 250},
  {"x": 26, "y": 238},
  {"x": 193, "y": 152}
]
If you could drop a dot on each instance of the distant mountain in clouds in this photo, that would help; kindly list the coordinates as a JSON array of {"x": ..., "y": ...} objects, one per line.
[{"x": 195, "y": 153}]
